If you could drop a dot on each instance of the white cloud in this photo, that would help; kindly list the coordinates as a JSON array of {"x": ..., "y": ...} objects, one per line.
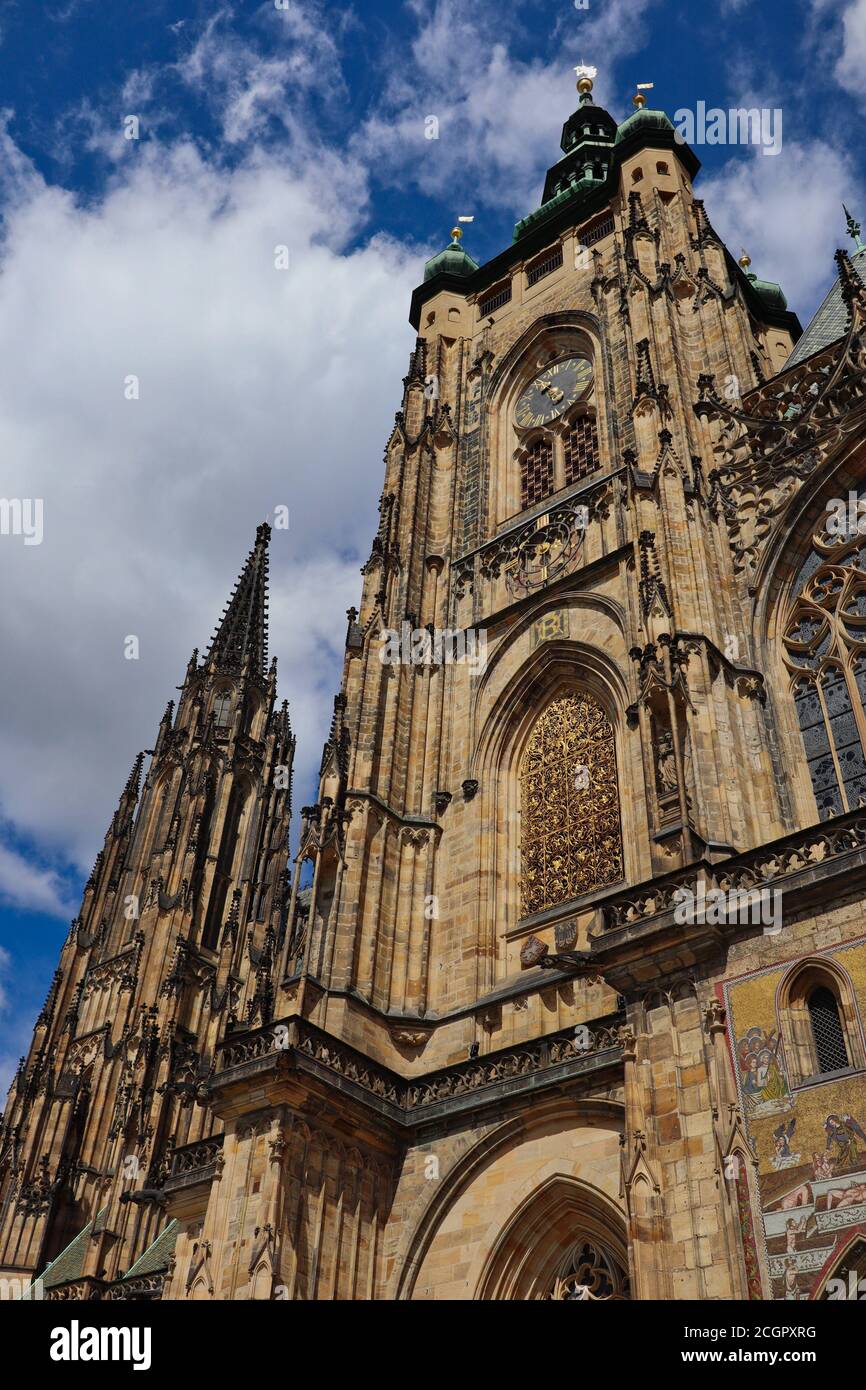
[
  {"x": 500, "y": 117},
  {"x": 258, "y": 387},
  {"x": 837, "y": 36},
  {"x": 786, "y": 210},
  {"x": 5, "y": 962},
  {"x": 852, "y": 61},
  {"x": 33, "y": 888}
]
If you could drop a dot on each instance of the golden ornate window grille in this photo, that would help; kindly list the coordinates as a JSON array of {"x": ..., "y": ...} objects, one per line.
[
  {"x": 825, "y": 650},
  {"x": 580, "y": 446},
  {"x": 536, "y": 473},
  {"x": 571, "y": 834}
]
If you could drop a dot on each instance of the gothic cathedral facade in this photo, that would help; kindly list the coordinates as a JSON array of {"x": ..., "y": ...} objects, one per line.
[{"x": 563, "y": 994}]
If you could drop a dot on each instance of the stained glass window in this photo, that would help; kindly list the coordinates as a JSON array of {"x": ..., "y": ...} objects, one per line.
[
  {"x": 825, "y": 650},
  {"x": 571, "y": 835},
  {"x": 221, "y": 710}
]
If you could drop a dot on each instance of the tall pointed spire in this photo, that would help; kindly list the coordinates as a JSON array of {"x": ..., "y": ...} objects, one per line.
[{"x": 242, "y": 632}]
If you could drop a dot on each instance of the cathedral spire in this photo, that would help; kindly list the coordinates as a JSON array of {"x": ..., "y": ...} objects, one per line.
[{"x": 242, "y": 632}]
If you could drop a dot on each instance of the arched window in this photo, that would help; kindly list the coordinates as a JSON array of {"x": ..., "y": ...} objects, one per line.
[
  {"x": 819, "y": 1021},
  {"x": 536, "y": 472},
  {"x": 221, "y": 710},
  {"x": 825, "y": 651},
  {"x": 827, "y": 1032},
  {"x": 580, "y": 448},
  {"x": 570, "y": 824}
]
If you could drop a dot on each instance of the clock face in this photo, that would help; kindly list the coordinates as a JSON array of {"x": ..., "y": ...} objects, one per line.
[{"x": 553, "y": 391}]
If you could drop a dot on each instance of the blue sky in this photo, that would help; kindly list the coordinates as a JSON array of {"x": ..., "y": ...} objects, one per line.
[{"x": 301, "y": 126}]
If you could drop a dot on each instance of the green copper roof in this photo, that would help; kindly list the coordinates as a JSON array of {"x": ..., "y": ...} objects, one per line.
[
  {"x": 157, "y": 1255},
  {"x": 770, "y": 292},
  {"x": 830, "y": 320},
  {"x": 642, "y": 120},
  {"x": 576, "y": 189},
  {"x": 70, "y": 1262},
  {"x": 452, "y": 261}
]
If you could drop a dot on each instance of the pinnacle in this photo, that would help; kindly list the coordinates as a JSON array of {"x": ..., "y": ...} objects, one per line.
[{"x": 242, "y": 632}]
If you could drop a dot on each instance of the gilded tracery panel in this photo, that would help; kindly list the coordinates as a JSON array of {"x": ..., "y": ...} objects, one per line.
[{"x": 571, "y": 834}]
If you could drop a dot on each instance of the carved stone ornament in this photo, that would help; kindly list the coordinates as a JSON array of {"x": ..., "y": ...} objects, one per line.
[
  {"x": 410, "y": 1037},
  {"x": 532, "y": 951},
  {"x": 565, "y": 934},
  {"x": 784, "y": 430}
]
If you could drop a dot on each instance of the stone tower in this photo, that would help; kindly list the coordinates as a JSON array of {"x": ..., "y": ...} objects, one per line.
[
  {"x": 174, "y": 944},
  {"x": 567, "y": 999}
]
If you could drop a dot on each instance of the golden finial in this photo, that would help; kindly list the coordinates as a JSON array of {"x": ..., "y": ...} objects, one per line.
[
  {"x": 745, "y": 259},
  {"x": 639, "y": 100},
  {"x": 585, "y": 77},
  {"x": 456, "y": 233}
]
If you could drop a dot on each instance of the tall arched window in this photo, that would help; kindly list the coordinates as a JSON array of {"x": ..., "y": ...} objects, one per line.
[
  {"x": 827, "y": 1031},
  {"x": 580, "y": 449},
  {"x": 571, "y": 839},
  {"x": 825, "y": 650},
  {"x": 222, "y": 709},
  {"x": 536, "y": 472}
]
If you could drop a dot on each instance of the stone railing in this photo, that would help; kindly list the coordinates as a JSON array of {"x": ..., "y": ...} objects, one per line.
[
  {"x": 192, "y": 1158},
  {"x": 742, "y": 873},
  {"x": 574, "y": 1045},
  {"x": 538, "y": 549},
  {"x": 143, "y": 1287}
]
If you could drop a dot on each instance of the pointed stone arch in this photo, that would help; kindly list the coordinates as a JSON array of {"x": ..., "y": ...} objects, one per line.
[
  {"x": 570, "y": 1128},
  {"x": 551, "y": 336},
  {"x": 529, "y": 1258},
  {"x": 844, "y": 1273},
  {"x": 519, "y": 683}
]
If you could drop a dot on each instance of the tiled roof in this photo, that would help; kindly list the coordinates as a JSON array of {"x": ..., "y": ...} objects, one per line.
[
  {"x": 70, "y": 1262},
  {"x": 157, "y": 1255},
  {"x": 830, "y": 319}
]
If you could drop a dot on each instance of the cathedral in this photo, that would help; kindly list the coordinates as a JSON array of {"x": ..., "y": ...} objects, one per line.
[{"x": 562, "y": 995}]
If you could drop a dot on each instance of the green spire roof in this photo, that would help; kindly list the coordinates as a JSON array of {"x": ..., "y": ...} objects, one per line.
[
  {"x": 643, "y": 119},
  {"x": 452, "y": 261},
  {"x": 770, "y": 292}
]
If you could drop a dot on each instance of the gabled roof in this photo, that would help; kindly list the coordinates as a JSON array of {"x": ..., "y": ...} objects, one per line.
[
  {"x": 70, "y": 1262},
  {"x": 157, "y": 1255},
  {"x": 830, "y": 320}
]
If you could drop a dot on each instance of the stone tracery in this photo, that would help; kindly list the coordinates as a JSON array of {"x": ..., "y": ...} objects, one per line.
[{"x": 825, "y": 651}]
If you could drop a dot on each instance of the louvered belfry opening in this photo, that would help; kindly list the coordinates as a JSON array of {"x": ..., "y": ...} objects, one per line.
[
  {"x": 827, "y": 1031},
  {"x": 536, "y": 475}
]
